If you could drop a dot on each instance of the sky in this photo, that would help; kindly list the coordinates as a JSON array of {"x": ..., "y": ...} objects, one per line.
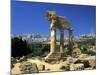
[{"x": 30, "y": 17}]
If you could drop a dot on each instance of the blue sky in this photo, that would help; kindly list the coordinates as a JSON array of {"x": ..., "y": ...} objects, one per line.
[{"x": 30, "y": 17}]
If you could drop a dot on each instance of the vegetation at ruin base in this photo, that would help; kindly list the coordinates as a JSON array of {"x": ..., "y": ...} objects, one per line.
[
  {"x": 23, "y": 48},
  {"x": 39, "y": 49},
  {"x": 86, "y": 44},
  {"x": 19, "y": 47}
]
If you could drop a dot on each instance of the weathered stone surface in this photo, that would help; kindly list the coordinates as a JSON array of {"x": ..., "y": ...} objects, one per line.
[
  {"x": 83, "y": 56},
  {"x": 61, "y": 60},
  {"x": 70, "y": 60},
  {"x": 48, "y": 69},
  {"x": 57, "y": 62},
  {"x": 53, "y": 62},
  {"x": 86, "y": 63},
  {"x": 54, "y": 57},
  {"x": 76, "y": 60},
  {"x": 41, "y": 67},
  {"x": 27, "y": 67},
  {"x": 92, "y": 61},
  {"x": 75, "y": 67},
  {"x": 65, "y": 67},
  {"x": 88, "y": 68},
  {"x": 76, "y": 52},
  {"x": 23, "y": 58}
]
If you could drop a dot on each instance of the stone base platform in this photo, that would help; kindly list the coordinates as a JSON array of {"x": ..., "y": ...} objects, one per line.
[{"x": 56, "y": 57}]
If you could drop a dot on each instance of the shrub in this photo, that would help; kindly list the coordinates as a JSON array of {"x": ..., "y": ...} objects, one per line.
[
  {"x": 19, "y": 47},
  {"x": 39, "y": 49}
]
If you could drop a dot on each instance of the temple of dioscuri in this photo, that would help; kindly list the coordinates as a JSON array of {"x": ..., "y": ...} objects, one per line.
[{"x": 61, "y": 23}]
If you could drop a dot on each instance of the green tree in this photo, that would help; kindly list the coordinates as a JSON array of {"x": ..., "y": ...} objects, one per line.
[
  {"x": 39, "y": 49},
  {"x": 19, "y": 47}
]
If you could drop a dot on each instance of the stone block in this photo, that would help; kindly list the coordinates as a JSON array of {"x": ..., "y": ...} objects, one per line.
[
  {"x": 28, "y": 68},
  {"x": 41, "y": 67},
  {"x": 75, "y": 67}
]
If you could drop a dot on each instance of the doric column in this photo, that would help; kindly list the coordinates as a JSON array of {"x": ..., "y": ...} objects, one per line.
[
  {"x": 70, "y": 35},
  {"x": 53, "y": 38},
  {"x": 70, "y": 39},
  {"x": 61, "y": 41}
]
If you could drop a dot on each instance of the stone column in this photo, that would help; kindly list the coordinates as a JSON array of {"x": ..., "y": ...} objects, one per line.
[
  {"x": 70, "y": 35},
  {"x": 53, "y": 39},
  {"x": 61, "y": 41},
  {"x": 70, "y": 41}
]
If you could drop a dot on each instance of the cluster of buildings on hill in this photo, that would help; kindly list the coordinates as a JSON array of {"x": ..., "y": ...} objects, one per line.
[
  {"x": 84, "y": 37},
  {"x": 32, "y": 37},
  {"x": 45, "y": 38}
]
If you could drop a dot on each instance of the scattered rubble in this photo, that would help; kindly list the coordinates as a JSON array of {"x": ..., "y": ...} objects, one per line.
[
  {"x": 75, "y": 67},
  {"x": 27, "y": 67},
  {"x": 41, "y": 67}
]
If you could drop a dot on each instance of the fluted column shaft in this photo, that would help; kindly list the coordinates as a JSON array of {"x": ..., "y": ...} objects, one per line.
[
  {"x": 53, "y": 38},
  {"x": 61, "y": 41}
]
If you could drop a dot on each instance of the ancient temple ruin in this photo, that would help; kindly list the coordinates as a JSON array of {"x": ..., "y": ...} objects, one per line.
[{"x": 61, "y": 23}]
